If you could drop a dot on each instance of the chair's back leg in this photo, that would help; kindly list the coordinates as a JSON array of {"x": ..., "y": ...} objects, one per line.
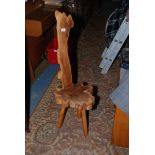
[{"x": 79, "y": 113}]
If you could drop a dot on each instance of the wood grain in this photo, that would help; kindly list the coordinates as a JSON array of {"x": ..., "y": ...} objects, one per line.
[
  {"x": 78, "y": 96},
  {"x": 64, "y": 23},
  {"x": 84, "y": 123},
  {"x": 120, "y": 133}
]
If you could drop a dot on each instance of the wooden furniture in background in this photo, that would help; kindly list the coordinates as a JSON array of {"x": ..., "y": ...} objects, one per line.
[
  {"x": 78, "y": 96},
  {"x": 39, "y": 30},
  {"x": 120, "y": 133}
]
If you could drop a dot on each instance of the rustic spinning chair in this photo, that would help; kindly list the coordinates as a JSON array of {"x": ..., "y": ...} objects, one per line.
[{"x": 78, "y": 96}]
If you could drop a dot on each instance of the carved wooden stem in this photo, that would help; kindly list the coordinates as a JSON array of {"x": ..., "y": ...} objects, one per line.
[{"x": 64, "y": 24}]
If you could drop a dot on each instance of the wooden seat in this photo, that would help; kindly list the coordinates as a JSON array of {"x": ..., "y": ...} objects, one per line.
[{"x": 78, "y": 96}]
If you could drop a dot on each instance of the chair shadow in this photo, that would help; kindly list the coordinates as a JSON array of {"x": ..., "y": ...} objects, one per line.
[
  {"x": 75, "y": 33},
  {"x": 97, "y": 99}
]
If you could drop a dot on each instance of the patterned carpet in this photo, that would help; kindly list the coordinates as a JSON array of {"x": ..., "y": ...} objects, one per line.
[{"x": 46, "y": 139}]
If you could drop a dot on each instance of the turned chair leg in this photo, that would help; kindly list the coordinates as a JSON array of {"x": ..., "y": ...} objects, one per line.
[
  {"x": 61, "y": 116},
  {"x": 79, "y": 113},
  {"x": 84, "y": 123}
]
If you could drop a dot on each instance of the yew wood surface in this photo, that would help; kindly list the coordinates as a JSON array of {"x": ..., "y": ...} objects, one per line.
[
  {"x": 64, "y": 24},
  {"x": 78, "y": 96}
]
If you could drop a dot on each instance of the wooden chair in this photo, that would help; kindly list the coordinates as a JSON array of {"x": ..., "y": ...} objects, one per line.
[{"x": 78, "y": 96}]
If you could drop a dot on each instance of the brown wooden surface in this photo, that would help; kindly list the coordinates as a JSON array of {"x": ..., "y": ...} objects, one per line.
[
  {"x": 84, "y": 123},
  {"x": 79, "y": 97},
  {"x": 120, "y": 133},
  {"x": 36, "y": 46},
  {"x": 37, "y": 22},
  {"x": 64, "y": 24},
  {"x": 72, "y": 95},
  {"x": 61, "y": 116}
]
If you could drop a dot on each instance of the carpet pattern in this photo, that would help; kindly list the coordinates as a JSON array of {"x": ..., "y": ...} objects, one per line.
[{"x": 46, "y": 139}]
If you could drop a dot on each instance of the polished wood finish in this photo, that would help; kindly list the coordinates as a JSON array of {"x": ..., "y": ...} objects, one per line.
[
  {"x": 78, "y": 96},
  {"x": 39, "y": 30},
  {"x": 39, "y": 21},
  {"x": 120, "y": 132}
]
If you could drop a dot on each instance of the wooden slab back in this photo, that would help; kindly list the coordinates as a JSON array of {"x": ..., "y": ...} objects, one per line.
[{"x": 64, "y": 24}]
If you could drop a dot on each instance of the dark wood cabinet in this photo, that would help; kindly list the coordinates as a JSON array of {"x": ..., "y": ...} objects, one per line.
[{"x": 39, "y": 30}]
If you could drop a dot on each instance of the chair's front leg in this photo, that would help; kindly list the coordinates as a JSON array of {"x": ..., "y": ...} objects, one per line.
[
  {"x": 61, "y": 116},
  {"x": 84, "y": 123}
]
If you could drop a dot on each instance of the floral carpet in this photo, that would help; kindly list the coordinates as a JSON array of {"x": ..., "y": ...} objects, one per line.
[{"x": 45, "y": 138}]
